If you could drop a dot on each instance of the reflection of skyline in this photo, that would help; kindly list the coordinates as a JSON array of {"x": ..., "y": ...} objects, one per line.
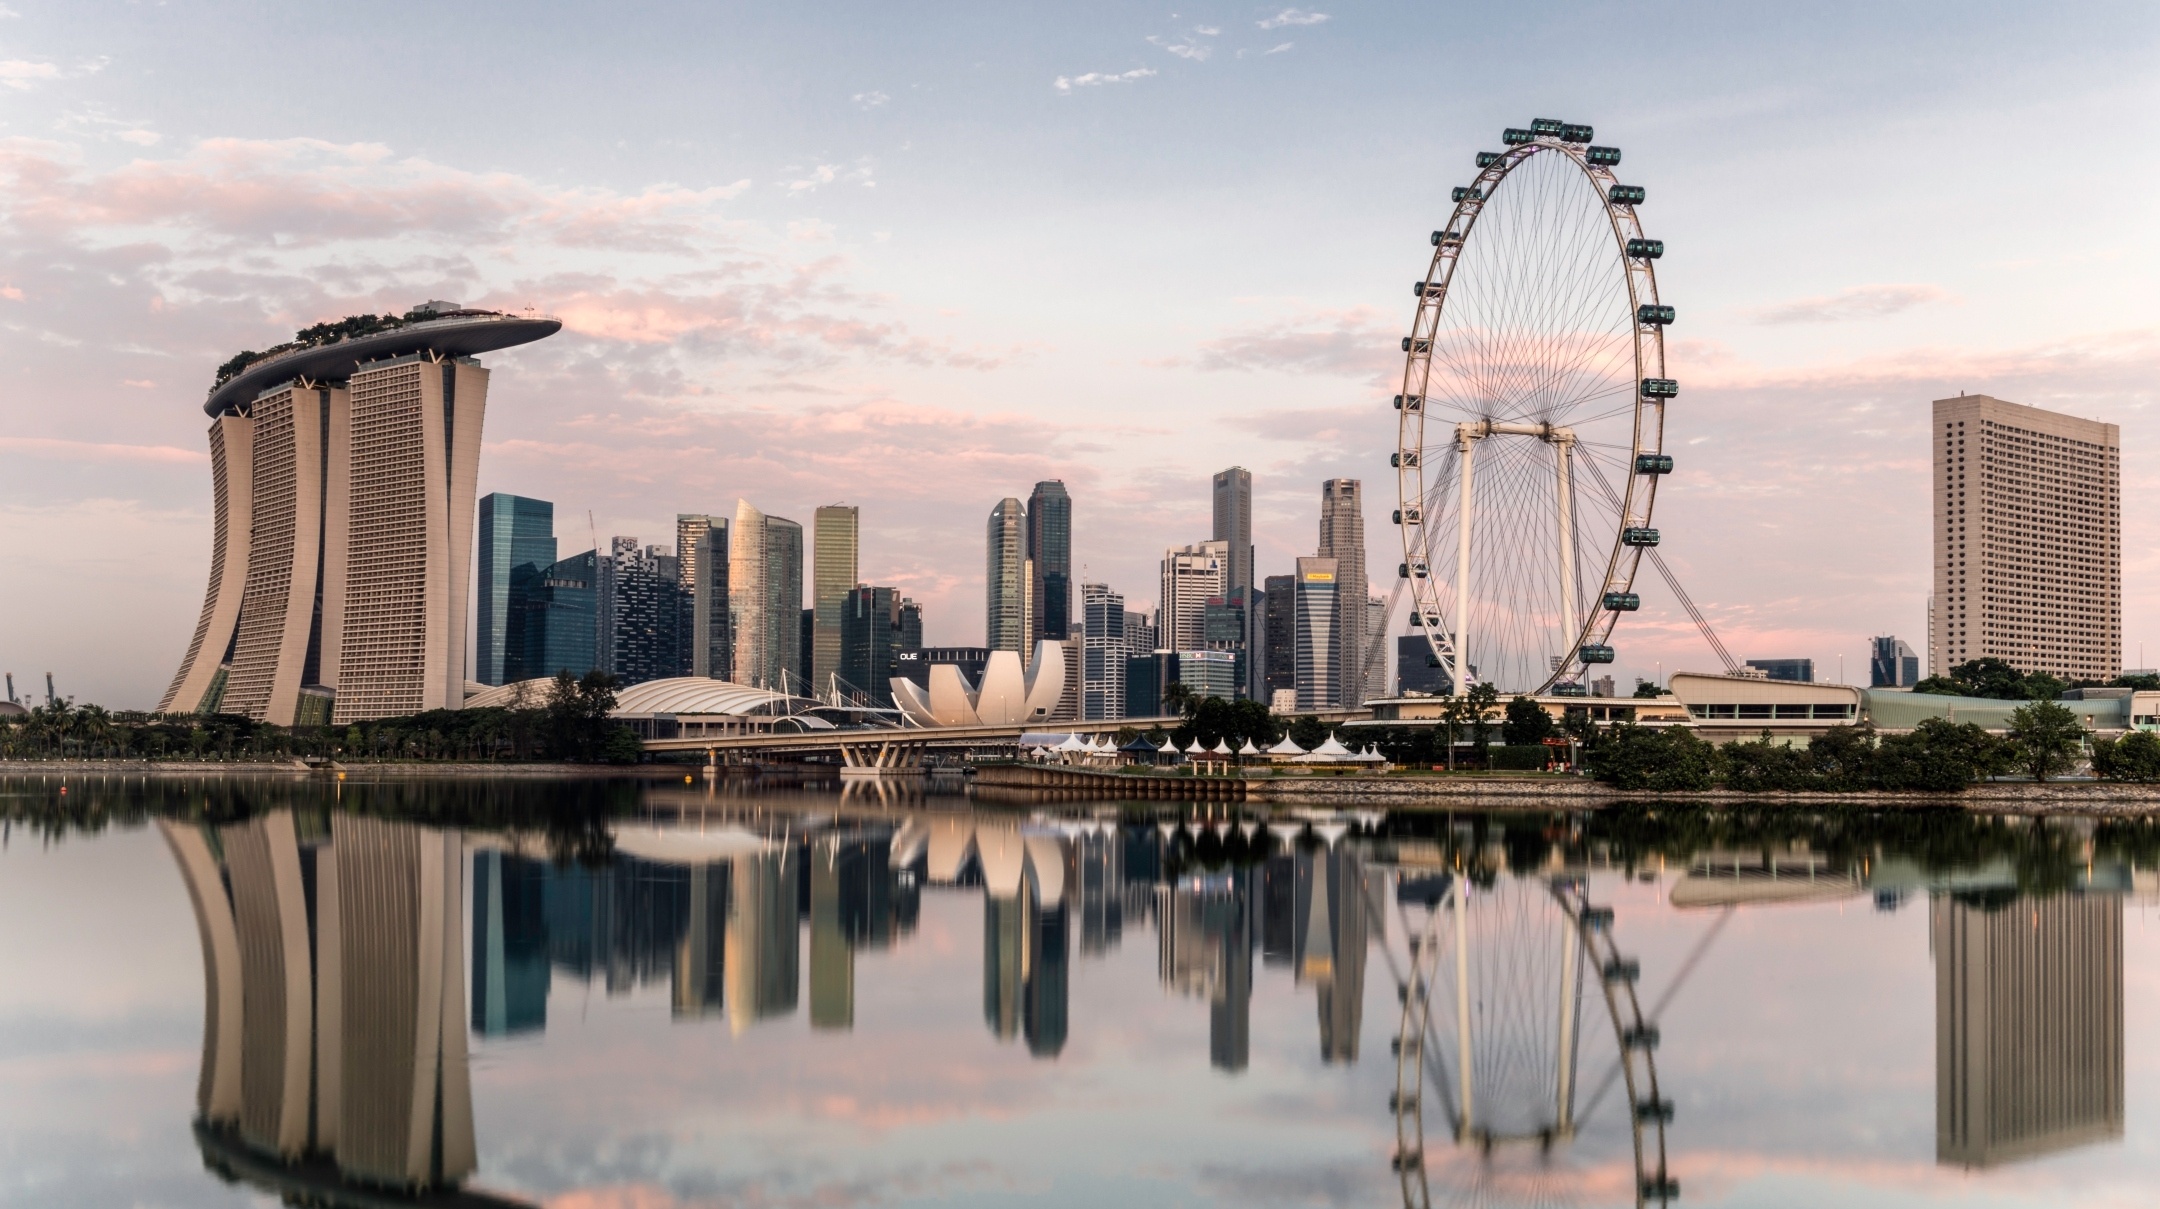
[
  {"x": 720, "y": 917},
  {"x": 1205, "y": 951},
  {"x": 333, "y": 1038},
  {"x": 2028, "y": 1024},
  {"x": 1330, "y": 939}
]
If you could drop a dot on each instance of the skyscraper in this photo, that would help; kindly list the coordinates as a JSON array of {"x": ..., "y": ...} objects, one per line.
[
  {"x": 765, "y": 566},
  {"x": 514, "y": 532},
  {"x": 1141, "y": 636},
  {"x": 1049, "y": 547},
  {"x": 645, "y": 634},
  {"x": 558, "y": 620},
  {"x": 1891, "y": 663},
  {"x": 783, "y": 602},
  {"x": 2028, "y": 540},
  {"x": 909, "y": 637},
  {"x": 1318, "y": 638},
  {"x": 1005, "y": 574},
  {"x": 1233, "y": 525},
  {"x": 345, "y": 472},
  {"x": 1190, "y": 575},
  {"x": 1279, "y": 643},
  {"x": 869, "y": 637},
  {"x": 701, "y": 555},
  {"x": 835, "y": 573},
  {"x": 1342, "y": 538},
  {"x": 1102, "y": 671}
]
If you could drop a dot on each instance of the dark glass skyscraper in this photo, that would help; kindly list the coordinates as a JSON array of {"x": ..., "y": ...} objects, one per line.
[
  {"x": 1278, "y": 643},
  {"x": 514, "y": 532},
  {"x": 556, "y": 626},
  {"x": 647, "y": 618},
  {"x": 1049, "y": 546},
  {"x": 869, "y": 635}
]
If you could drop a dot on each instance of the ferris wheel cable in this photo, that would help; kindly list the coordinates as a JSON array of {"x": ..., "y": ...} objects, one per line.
[
  {"x": 1702, "y": 623},
  {"x": 1687, "y": 967},
  {"x": 1542, "y": 324},
  {"x": 1530, "y": 361}
]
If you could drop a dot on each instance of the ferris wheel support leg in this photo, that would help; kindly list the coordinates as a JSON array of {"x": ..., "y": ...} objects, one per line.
[
  {"x": 1563, "y": 451},
  {"x": 1462, "y": 1004},
  {"x": 1467, "y": 445},
  {"x": 1564, "y": 1092}
]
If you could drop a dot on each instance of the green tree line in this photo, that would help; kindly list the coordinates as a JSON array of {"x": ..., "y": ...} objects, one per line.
[
  {"x": 2044, "y": 740},
  {"x": 570, "y": 723}
]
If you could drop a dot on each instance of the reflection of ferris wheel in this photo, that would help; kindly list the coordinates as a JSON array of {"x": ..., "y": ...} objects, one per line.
[
  {"x": 1492, "y": 1036},
  {"x": 1532, "y": 429}
]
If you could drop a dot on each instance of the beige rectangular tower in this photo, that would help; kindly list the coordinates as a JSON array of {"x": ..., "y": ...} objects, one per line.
[
  {"x": 1342, "y": 538},
  {"x": 2028, "y": 540},
  {"x": 415, "y": 464},
  {"x": 199, "y": 685},
  {"x": 835, "y": 563}
]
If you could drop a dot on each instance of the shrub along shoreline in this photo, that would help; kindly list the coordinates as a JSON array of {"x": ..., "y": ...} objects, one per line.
[{"x": 2044, "y": 741}]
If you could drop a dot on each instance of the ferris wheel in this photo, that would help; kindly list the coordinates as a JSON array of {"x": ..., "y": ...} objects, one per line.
[{"x": 1531, "y": 437}]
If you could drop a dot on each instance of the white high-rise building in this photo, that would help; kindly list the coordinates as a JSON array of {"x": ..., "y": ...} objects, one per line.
[
  {"x": 1102, "y": 681},
  {"x": 1190, "y": 574},
  {"x": 345, "y": 468}
]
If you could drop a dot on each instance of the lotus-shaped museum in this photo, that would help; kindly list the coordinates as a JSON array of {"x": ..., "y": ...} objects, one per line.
[{"x": 1009, "y": 694}]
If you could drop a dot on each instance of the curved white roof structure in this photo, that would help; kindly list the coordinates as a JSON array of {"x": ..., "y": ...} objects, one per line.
[{"x": 675, "y": 695}]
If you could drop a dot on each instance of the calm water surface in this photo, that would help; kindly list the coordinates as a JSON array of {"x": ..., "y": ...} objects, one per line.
[{"x": 611, "y": 994}]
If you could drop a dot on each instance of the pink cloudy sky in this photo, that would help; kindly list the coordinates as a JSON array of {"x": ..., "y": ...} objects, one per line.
[{"x": 918, "y": 260}]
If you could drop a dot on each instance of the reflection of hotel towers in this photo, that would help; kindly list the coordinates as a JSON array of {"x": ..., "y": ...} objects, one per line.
[
  {"x": 2028, "y": 1026},
  {"x": 1026, "y": 952},
  {"x": 333, "y": 1012},
  {"x": 1204, "y": 949}
]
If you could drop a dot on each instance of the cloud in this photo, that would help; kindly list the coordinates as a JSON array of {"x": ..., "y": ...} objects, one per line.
[
  {"x": 1068, "y": 83},
  {"x": 1207, "y": 31},
  {"x": 1183, "y": 50},
  {"x": 1278, "y": 48},
  {"x": 1858, "y": 302},
  {"x": 308, "y": 192},
  {"x": 99, "y": 125},
  {"x": 22, "y": 73},
  {"x": 870, "y": 100},
  {"x": 826, "y": 174},
  {"x": 1352, "y": 342},
  {"x": 92, "y": 451},
  {"x": 1293, "y": 16}
]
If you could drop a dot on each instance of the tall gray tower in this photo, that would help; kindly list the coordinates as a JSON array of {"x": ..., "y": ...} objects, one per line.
[
  {"x": 1005, "y": 573},
  {"x": 1342, "y": 538},
  {"x": 1233, "y": 524}
]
